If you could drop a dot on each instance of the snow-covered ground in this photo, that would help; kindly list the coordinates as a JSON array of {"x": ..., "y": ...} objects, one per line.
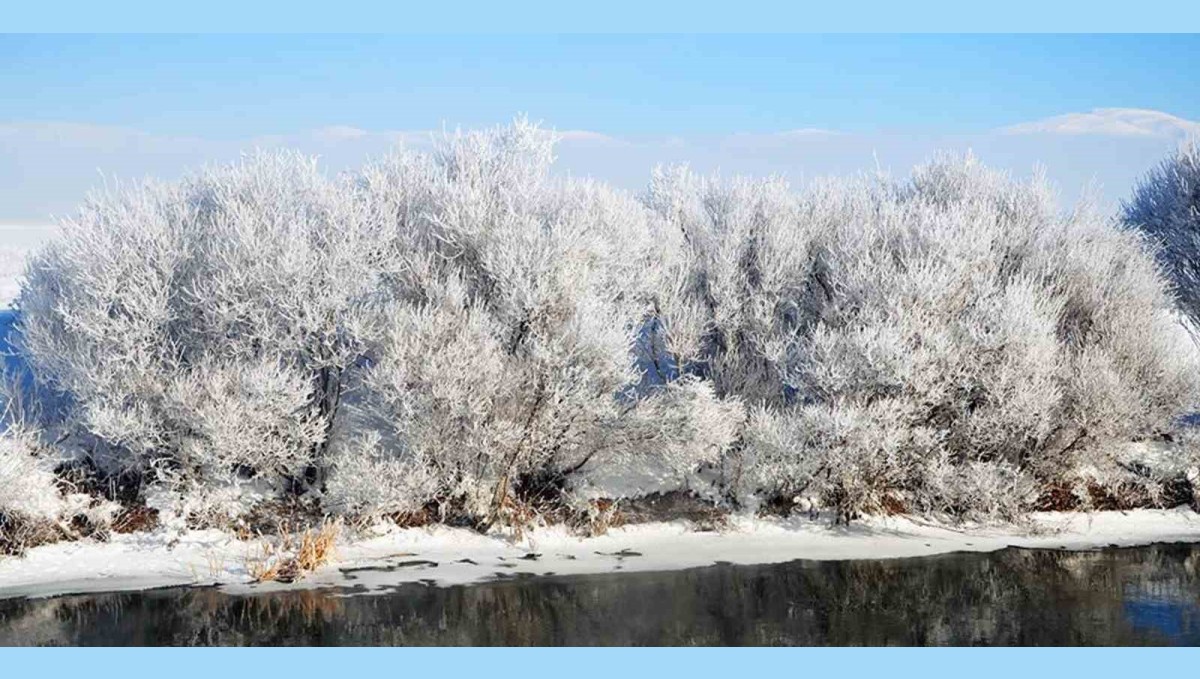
[{"x": 446, "y": 556}]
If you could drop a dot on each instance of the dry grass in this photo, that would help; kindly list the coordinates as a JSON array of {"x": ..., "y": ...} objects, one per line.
[
  {"x": 264, "y": 566},
  {"x": 136, "y": 519},
  {"x": 19, "y": 534},
  {"x": 317, "y": 546},
  {"x": 599, "y": 516},
  {"x": 291, "y": 557},
  {"x": 418, "y": 518}
]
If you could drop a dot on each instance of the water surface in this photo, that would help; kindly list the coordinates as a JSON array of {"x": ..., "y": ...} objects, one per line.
[{"x": 1132, "y": 596}]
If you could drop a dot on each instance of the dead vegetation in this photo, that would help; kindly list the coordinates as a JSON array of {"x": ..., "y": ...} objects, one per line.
[
  {"x": 594, "y": 518},
  {"x": 136, "y": 519},
  {"x": 18, "y": 534},
  {"x": 1123, "y": 496},
  {"x": 703, "y": 514},
  {"x": 288, "y": 557}
]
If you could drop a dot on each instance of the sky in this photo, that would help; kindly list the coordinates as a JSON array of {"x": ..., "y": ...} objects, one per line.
[{"x": 79, "y": 111}]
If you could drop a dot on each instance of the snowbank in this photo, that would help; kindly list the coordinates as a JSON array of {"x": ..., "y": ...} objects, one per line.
[{"x": 446, "y": 556}]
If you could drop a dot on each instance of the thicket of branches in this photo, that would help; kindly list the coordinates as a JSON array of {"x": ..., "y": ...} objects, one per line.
[
  {"x": 470, "y": 319},
  {"x": 947, "y": 343},
  {"x": 501, "y": 376},
  {"x": 1166, "y": 207},
  {"x": 464, "y": 335},
  {"x": 36, "y": 504}
]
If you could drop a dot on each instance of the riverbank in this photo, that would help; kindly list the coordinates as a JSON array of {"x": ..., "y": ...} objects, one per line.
[{"x": 383, "y": 557}]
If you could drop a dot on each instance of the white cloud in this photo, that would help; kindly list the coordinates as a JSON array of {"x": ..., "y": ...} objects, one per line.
[
  {"x": 588, "y": 137},
  {"x": 47, "y": 168},
  {"x": 808, "y": 132},
  {"x": 339, "y": 132},
  {"x": 94, "y": 138},
  {"x": 1118, "y": 122}
]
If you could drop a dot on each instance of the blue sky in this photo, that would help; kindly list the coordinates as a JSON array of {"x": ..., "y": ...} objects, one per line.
[
  {"x": 1091, "y": 108},
  {"x": 239, "y": 86}
]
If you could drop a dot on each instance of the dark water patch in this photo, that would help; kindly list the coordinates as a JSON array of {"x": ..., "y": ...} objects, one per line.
[
  {"x": 1138, "y": 596},
  {"x": 352, "y": 573},
  {"x": 621, "y": 554},
  {"x": 415, "y": 562}
]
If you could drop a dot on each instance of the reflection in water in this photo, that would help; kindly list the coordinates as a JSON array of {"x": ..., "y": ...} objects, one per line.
[{"x": 1147, "y": 595}]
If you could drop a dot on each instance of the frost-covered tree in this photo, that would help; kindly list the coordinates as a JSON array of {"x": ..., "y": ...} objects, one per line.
[
  {"x": 504, "y": 366},
  {"x": 908, "y": 344},
  {"x": 465, "y": 331},
  {"x": 200, "y": 329},
  {"x": 743, "y": 278},
  {"x": 479, "y": 314},
  {"x": 1166, "y": 207}
]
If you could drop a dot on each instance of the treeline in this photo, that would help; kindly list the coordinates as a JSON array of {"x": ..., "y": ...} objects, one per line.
[{"x": 461, "y": 336}]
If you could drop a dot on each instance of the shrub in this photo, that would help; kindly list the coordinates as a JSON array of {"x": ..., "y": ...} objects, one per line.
[
  {"x": 27, "y": 481},
  {"x": 199, "y": 330},
  {"x": 913, "y": 343},
  {"x": 1166, "y": 207},
  {"x": 34, "y": 506},
  {"x": 462, "y": 333},
  {"x": 503, "y": 363}
]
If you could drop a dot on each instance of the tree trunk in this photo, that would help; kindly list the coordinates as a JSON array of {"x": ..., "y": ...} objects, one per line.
[{"x": 328, "y": 397}]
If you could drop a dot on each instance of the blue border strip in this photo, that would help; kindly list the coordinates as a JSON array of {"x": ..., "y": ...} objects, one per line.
[
  {"x": 587, "y": 663},
  {"x": 555, "y": 16}
]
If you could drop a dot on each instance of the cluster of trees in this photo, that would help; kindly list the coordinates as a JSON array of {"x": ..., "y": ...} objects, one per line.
[{"x": 464, "y": 333}]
